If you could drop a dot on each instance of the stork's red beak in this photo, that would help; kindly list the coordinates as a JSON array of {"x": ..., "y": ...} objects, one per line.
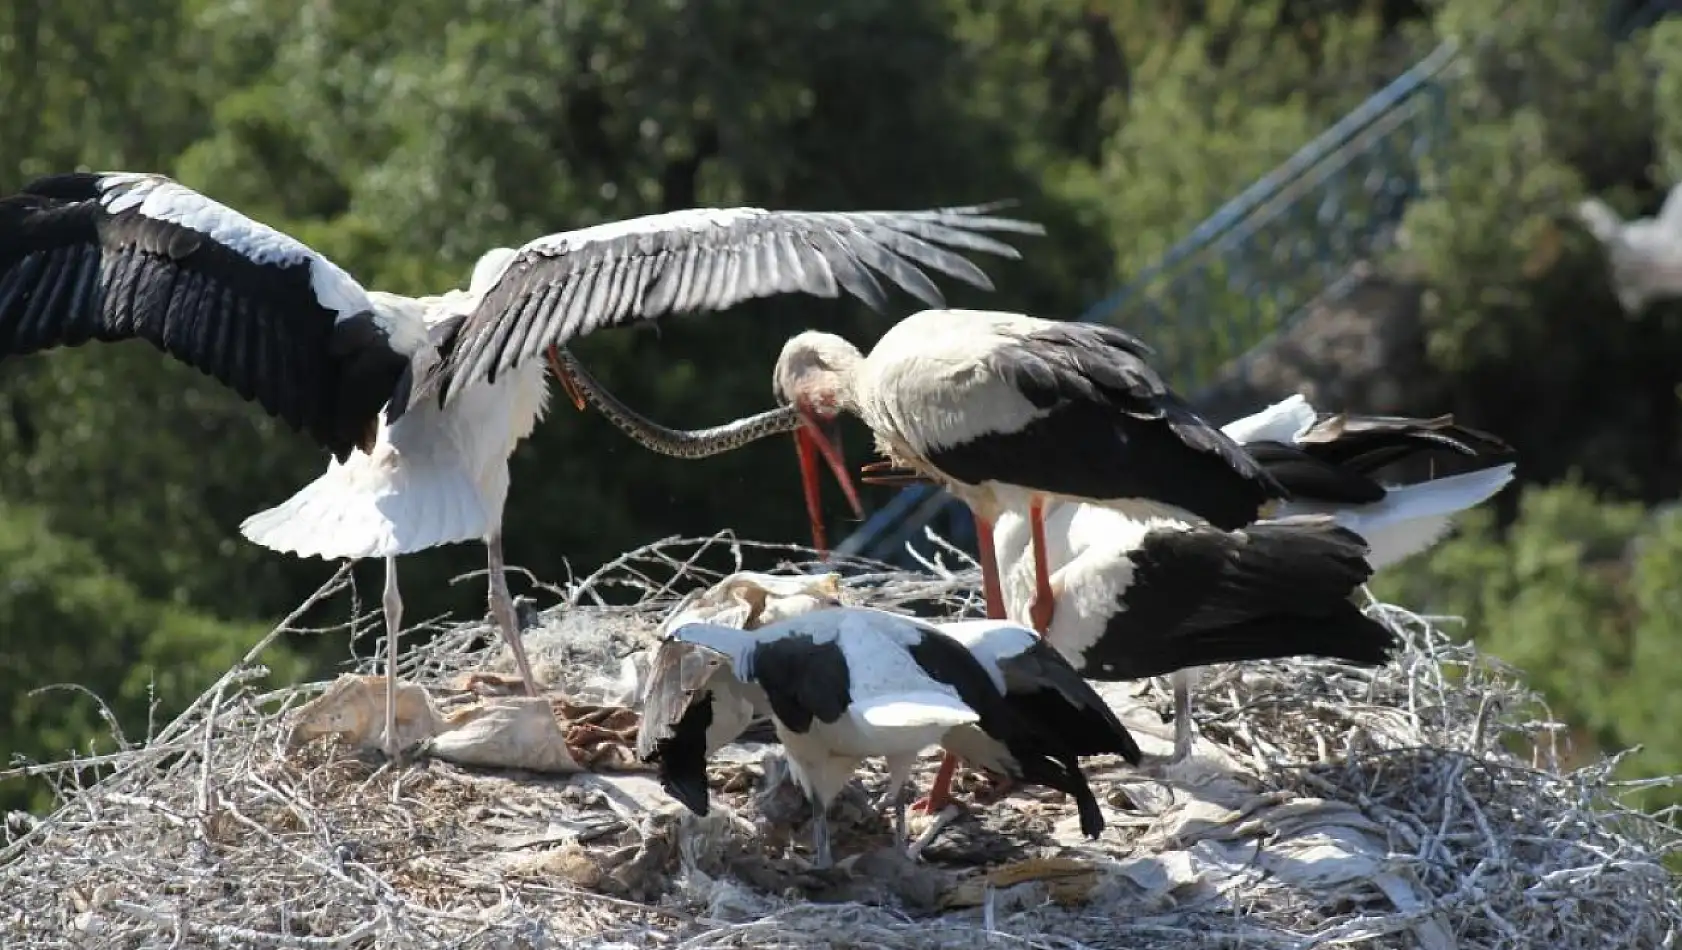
[{"x": 816, "y": 436}]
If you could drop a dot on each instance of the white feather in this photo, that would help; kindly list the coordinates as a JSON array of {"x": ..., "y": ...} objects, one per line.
[
  {"x": 991, "y": 642},
  {"x": 372, "y": 506},
  {"x": 1410, "y": 518},
  {"x": 1088, "y": 551},
  {"x": 489, "y": 269},
  {"x": 161, "y": 199},
  {"x": 914, "y": 710},
  {"x": 1645, "y": 255},
  {"x": 1283, "y": 421},
  {"x": 438, "y": 476},
  {"x": 686, "y": 219},
  {"x": 928, "y": 379},
  {"x": 733, "y": 643}
]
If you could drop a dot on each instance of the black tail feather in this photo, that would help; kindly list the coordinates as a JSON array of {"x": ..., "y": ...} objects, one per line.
[
  {"x": 1365, "y": 444},
  {"x": 1063, "y": 774},
  {"x": 1337, "y": 459},
  {"x": 1342, "y": 633}
]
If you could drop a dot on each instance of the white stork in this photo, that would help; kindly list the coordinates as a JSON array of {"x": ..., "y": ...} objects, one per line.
[
  {"x": 111, "y": 256},
  {"x": 846, "y": 683},
  {"x": 1120, "y": 582},
  {"x": 1643, "y": 255},
  {"x": 994, "y": 404},
  {"x": 991, "y": 404}
]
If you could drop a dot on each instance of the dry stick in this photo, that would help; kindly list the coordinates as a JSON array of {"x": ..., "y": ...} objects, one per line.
[
  {"x": 226, "y": 933},
  {"x": 333, "y": 585},
  {"x": 1568, "y": 863},
  {"x": 161, "y": 746}
]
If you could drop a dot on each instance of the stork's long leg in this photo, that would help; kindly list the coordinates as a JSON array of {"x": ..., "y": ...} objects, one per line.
[
  {"x": 1044, "y": 604},
  {"x": 899, "y": 772},
  {"x": 393, "y": 604},
  {"x": 502, "y": 608},
  {"x": 991, "y": 593},
  {"x": 821, "y": 858},
  {"x": 1182, "y": 713},
  {"x": 941, "y": 791}
]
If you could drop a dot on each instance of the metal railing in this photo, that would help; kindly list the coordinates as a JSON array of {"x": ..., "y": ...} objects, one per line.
[{"x": 1253, "y": 267}]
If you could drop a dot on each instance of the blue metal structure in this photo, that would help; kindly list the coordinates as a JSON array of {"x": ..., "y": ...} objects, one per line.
[
  {"x": 1250, "y": 269},
  {"x": 1247, "y": 271}
]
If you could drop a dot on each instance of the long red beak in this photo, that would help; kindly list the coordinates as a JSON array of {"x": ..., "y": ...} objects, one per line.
[{"x": 815, "y": 437}]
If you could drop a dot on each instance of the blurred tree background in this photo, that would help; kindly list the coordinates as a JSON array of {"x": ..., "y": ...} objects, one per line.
[{"x": 404, "y": 141}]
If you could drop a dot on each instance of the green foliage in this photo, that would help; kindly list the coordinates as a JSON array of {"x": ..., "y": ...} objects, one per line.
[
  {"x": 1546, "y": 109},
  {"x": 69, "y": 621}
]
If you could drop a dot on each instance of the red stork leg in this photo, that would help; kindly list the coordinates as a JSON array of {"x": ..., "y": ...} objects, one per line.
[
  {"x": 940, "y": 793},
  {"x": 991, "y": 593},
  {"x": 1044, "y": 604},
  {"x": 567, "y": 382}
]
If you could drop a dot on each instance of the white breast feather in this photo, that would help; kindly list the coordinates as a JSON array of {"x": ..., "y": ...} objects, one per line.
[
  {"x": 1088, "y": 552},
  {"x": 162, "y": 199},
  {"x": 930, "y": 380}
]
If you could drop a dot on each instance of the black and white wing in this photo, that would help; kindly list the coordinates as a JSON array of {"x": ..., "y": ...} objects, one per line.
[
  {"x": 693, "y": 705},
  {"x": 114, "y": 256},
  {"x": 1102, "y": 424},
  {"x": 563, "y": 286}
]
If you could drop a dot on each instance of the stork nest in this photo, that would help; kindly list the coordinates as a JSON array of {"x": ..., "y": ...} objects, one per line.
[{"x": 1421, "y": 804}]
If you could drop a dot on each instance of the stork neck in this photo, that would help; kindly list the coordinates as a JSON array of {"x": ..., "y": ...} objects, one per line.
[{"x": 847, "y": 371}]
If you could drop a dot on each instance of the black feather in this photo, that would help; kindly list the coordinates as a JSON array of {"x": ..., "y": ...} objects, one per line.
[
  {"x": 557, "y": 290},
  {"x": 803, "y": 679},
  {"x": 1042, "y": 685},
  {"x": 1045, "y": 755},
  {"x": 72, "y": 271},
  {"x": 1113, "y": 430},
  {"x": 1272, "y": 590}
]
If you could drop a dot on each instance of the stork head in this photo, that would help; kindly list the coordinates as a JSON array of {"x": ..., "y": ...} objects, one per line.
[
  {"x": 814, "y": 374},
  {"x": 1600, "y": 220},
  {"x": 489, "y": 268}
]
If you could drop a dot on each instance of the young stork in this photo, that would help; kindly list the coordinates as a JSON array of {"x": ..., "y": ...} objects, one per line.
[
  {"x": 113, "y": 256},
  {"x": 694, "y": 705},
  {"x": 846, "y": 683}
]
